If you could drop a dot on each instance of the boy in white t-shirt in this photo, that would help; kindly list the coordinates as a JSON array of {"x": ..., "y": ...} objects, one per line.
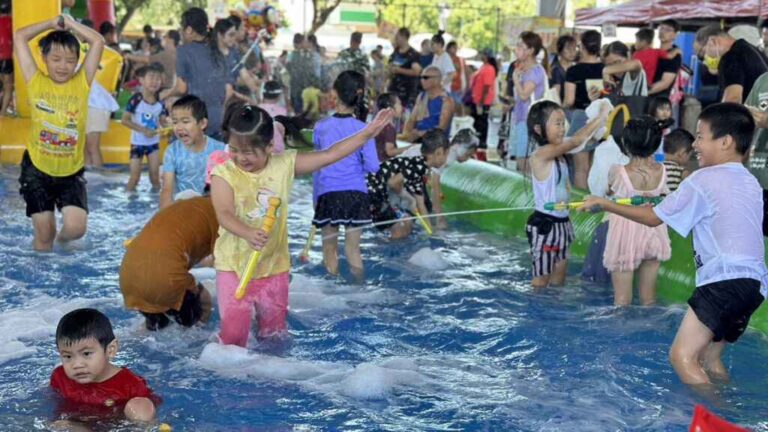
[
  {"x": 722, "y": 203},
  {"x": 145, "y": 115}
]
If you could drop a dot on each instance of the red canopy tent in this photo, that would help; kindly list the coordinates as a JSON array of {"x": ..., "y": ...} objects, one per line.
[{"x": 642, "y": 12}]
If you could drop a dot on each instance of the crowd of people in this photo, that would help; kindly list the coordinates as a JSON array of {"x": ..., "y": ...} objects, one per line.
[{"x": 233, "y": 115}]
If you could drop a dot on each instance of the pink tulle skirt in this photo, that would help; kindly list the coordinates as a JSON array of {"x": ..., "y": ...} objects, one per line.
[{"x": 629, "y": 243}]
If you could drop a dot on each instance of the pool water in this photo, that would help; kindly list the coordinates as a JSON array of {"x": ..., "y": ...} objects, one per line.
[{"x": 445, "y": 335}]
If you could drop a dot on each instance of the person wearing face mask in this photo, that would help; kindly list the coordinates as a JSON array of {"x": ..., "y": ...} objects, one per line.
[{"x": 737, "y": 63}]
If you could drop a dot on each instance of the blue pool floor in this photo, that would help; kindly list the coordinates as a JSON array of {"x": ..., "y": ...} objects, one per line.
[{"x": 452, "y": 339}]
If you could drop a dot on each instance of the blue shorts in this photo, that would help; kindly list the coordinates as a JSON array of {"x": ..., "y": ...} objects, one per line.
[
  {"x": 519, "y": 137},
  {"x": 139, "y": 151}
]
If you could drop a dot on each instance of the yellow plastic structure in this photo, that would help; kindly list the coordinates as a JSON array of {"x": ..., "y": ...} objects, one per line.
[
  {"x": 253, "y": 261},
  {"x": 424, "y": 223}
]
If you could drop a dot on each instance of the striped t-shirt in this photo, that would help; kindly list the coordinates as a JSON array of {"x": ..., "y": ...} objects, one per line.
[{"x": 674, "y": 175}]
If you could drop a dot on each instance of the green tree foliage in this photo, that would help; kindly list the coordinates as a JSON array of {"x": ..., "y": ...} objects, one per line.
[
  {"x": 154, "y": 12},
  {"x": 472, "y": 23}
]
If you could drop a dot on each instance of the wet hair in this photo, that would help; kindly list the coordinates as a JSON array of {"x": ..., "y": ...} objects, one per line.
[
  {"x": 249, "y": 122},
  {"x": 61, "y": 38},
  {"x": 271, "y": 90},
  {"x": 404, "y": 32},
  {"x": 432, "y": 140},
  {"x": 677, "y": 140},
  {"x": 150, "y": 68},
  {"x": 386, "y": 100},
  {"x": 617, "y": 48},
  {"x": 451, "y": 44},
  {"x": 657, "y": 103},
  {"x": 676, "y": 25},
  {"x": 645, "y": 35},
  {"x": 81, "y": 324},
  {"x": 438, "y": 38},
  {"x": 147, "y": 29},
  {"x": 175, "y": 36},
  {"x": 106, "y": 28},
  {"x": 221, "y": 27},
  {"x": 356, "y": 37},
  {"x": 194, "y": 104},
  {"x": 641, "y": 137},
  {"x": 350, "y": 88},
  {"x": 592, "y": 41},
  {"x": 298, "y": 38},
  {"x": 196, "y": 19},
  {"x": 730, "y": 119},
  {"x": 538, "y": 115}
]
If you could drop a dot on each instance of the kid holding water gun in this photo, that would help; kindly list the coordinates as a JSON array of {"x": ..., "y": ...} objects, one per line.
[
  {"x": 722, "y": 203},
  {"x": 550, "y": 233},
  {"x": 630, "y": 246},
  {"x": 340, "y": 193},
  {"x": 240, "y": 190}
]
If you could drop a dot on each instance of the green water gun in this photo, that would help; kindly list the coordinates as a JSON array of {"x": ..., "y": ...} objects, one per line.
[{"x": 634, "y": 201}]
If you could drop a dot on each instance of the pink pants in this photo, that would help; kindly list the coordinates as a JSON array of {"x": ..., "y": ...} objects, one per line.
[{"x": 268, "y": 295}]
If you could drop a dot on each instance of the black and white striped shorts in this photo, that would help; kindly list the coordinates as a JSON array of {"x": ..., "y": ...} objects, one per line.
[{"x": 549, "y": 238}]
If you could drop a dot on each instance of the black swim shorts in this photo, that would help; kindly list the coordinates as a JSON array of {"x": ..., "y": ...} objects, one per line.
[
  {"x": 43, "y": 192},
  {"x": 726, "y": 306}
]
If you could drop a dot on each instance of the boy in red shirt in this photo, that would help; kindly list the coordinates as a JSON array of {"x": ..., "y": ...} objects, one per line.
[
  {"x": 86, "y": 345},
  {"x": 646, "y": 54}
]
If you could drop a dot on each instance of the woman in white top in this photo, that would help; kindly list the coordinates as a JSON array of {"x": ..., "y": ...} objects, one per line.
[{"x": 443, "y": 60}]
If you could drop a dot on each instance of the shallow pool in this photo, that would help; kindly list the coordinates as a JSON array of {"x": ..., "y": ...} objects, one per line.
[{"x": 452, "y": 340}]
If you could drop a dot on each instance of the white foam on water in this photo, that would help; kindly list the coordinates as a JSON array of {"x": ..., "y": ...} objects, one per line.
[
  {"x": 366, "y": 381},
  {"x": 318, "y": 296},
  {"x": 475, "y": 252},
  {"x": 37, "y": 319},
  {"x": 429, "y": 259}
]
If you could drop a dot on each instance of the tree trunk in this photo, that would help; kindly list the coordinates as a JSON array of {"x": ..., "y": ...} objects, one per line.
[
  {"x": 131, "y": 6},
  {"x": 321, "y": 13}
]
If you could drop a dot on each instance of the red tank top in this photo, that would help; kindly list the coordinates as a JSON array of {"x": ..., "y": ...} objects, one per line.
[{"x": 6, "y": 38}]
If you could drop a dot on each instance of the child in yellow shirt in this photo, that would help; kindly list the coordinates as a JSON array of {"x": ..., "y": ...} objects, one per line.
[
  {"x": 240, "y": 190},
  {"x": 52, "y": 166}
]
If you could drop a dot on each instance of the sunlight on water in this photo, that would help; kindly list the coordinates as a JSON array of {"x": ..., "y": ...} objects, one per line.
[{"x": 444, "y": 335}]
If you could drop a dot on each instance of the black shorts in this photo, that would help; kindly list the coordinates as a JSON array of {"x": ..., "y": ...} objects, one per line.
[
  {"x": 191, "y": 310},
  {"x": 6, "y": 67},
  {"x": 549, "y": 237},
  {"x": 139, "y": 151},
  {"x": 726, "y": 306},
  {"x": 348, "y": 208},
  {"x": 43, "y": 192}
]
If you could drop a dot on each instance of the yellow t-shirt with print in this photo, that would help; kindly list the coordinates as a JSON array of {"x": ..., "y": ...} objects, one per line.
[
  {"x": 252, "y": 191},
  {"x": 58, "y": 113}
]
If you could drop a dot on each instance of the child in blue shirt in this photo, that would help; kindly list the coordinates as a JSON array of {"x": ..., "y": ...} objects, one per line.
[
  {"x": 145, "y": 115},
  {"x": 185, "y": 159},
  {"x": 340, "y": 192}
]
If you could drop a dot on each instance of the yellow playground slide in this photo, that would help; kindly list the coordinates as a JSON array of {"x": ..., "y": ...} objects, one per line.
[{"x": 14, "y": 132}]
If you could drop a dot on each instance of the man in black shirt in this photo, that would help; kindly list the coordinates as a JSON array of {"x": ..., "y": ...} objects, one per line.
[
  {"x": 666, "y": 73},
  {"x": 738, "y": 63},
  {"x": 404, "y": 69}
]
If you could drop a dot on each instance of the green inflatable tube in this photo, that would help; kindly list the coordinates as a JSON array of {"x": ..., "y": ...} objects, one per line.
[{"x": 477, "y": 185}]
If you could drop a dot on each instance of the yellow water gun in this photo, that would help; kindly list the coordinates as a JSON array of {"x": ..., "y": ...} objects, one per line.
[
  {"x": 304, "y": 256},
  {"x": 253, "y": 261},
  {"x": 427, "y": 227},
  {"x": 634, "y": 201}
]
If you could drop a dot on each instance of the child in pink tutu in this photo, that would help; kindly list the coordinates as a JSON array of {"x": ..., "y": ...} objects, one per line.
[{"x": 630, "y": 246}]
